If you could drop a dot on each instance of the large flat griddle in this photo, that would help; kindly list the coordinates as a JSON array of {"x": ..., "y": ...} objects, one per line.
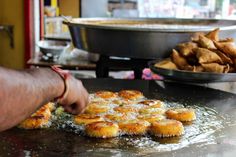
[{"x": 17, "y": 142}]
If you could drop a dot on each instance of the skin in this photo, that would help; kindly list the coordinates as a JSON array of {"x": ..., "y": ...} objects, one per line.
[{"x": 23, "y": 92}]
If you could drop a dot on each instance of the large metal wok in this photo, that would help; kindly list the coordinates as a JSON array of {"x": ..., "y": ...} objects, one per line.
[
  {"x": 140, "y": 38},
  {"x": 17, "y": 142}
]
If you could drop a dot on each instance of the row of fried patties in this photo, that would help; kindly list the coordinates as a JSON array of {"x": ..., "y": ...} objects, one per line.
[
  {"x": 127, "y": 119},
  {"x": 152, "y": 117}
]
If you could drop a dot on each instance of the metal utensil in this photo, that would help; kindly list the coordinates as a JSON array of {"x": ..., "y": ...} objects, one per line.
[{"x": 140, "y": 37}]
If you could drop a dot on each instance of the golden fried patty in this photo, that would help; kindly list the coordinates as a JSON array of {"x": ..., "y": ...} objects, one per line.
[
  {"x": 87, "y": 118},
  {"x": 102, "y": 129},
  {"x": 116, "y": 117},
  {"x": 152, "y": 103},
  {"x": 151, "y": 110},
  {"x": 167, "y": 128},
  {"x": 126, "y": 109},
  {"x": 134, "y": 127},
  {"x": 151, "y": 117},
  {"x": 39, "y": 119},
  {"x": 96, "y": 108},
  {"x": 106, "y": 94},
  {"x": 181, "y": 114},
  {"x": 130, "y": 94}
]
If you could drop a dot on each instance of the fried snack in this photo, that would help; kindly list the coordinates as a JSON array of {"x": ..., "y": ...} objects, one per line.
[
  {"x": 126, "y": 109},
  {"x": 96, "y": 108},
  {"x": 228, "y": 48},
  {"x": 207, "y": 56},
  {"x": 151, "y": 117},
  {"x": 117, "y": 117},
  {"x": 232, "y": 69},
  {"x": 192, "y": 60},
  {"x": 106, "y": 94},
  {"x": 130, "y": 94},
  {"x": 122, "y": 102},
  {"x": 198, "y": 68},
  {"x": 227, "y": 40},
  {"x": 98, "y": 100},
  {"x": 234, "y": 63},
  {"x": 152, "y": 110},
  {"x": 196, "y": 35},
  {"x": 166, "y": 64},
  {"x": 205, "y": 53},
  {"x": 180, "y": 61},
  {"x": 186, "y": 49},
  {"x": 205, "y": 42},
  {"x": 40, "y": 119},
  {"x": 215, "y": 67},
  {"x": 181, "y": 114},
  {"x": 102, "y": 129},
  {"x": 51, "y": 106},
  {"x": 224, "y": 58},
  {"x": 84, "y": 119},
  {"x": 153, "y": 103},
  {"x": 213, "y": 35},
  {"x": 134, "y": 127},
  {"x": 167, "y": 128}
]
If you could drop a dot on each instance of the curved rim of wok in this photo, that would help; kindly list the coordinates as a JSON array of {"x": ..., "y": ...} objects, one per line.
[{"x": 100, "y": 23}]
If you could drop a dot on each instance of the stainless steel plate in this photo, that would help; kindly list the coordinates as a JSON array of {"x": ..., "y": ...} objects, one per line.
[
  {"x": 140, "y": 38},
  {"x": 194, "y": 77}
]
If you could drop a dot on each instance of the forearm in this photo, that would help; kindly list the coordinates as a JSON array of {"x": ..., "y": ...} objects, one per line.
[{"x": 22, "y": 92}]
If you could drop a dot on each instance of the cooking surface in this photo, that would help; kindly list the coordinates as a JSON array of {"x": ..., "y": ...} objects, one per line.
[{"x": 16, "y": 142}]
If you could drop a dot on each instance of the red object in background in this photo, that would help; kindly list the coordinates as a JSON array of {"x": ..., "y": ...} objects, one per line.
[
  {"x": 41, "y": 10},
  {"x": 147, "y": 75},
  {"x": 29, "y": 29}
]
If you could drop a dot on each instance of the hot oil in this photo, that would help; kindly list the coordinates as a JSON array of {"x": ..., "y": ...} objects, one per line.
[{"x": 203, "y": 131}]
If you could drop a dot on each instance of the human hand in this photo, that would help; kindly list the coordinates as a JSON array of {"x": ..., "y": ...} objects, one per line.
[{"x": 76, "y": 96}]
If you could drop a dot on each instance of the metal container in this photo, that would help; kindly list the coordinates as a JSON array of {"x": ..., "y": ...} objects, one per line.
[
  {"x": 54, "y": 48},
  {"x": 140, "y": 38}
]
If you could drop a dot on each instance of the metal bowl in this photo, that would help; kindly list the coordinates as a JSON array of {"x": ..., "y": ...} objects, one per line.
[
  {"x": 140, "y": 38},
  {"x": 52, "y": 48}
]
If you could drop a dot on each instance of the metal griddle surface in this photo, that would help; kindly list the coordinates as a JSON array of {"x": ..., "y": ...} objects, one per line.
[{"x": 16, "y": 142}]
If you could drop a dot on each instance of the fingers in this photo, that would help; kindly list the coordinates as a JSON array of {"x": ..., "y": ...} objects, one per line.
[
  {"x": 80, "y": 105},
  {"x": 68, "y": 109},
  {"x": 77, "y": 107},
  {"x": 77, "y": 98}
]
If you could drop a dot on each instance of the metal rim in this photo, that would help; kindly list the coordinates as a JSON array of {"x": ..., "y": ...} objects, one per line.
[{"x": 82, "y": 22}]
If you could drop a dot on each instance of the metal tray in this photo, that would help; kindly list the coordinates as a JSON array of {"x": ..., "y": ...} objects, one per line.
[
  {"x": 194, "y": 77},
  {"x": 140, "y": 38}
]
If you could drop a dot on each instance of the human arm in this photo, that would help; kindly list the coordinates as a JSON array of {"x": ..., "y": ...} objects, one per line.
[{"x": 23, "y": 92}]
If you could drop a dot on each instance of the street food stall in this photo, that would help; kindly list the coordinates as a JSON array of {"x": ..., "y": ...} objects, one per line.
[{"x": 188, "y": 110}]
